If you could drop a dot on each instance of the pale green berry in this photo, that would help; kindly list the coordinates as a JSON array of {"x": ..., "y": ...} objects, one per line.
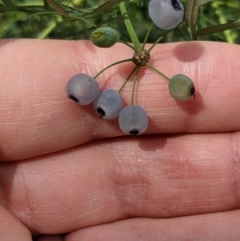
[
  {"x": 104, "y": 37},
  {"x": 181, "y": 87}
]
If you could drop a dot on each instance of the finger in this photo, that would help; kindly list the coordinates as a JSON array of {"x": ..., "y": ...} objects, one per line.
[
  {"x": 211, "y": 227},
  {"x": 11, "y": 228},
  {"x": 37, "y": 117},
  {"x": 105, "y": 181}
]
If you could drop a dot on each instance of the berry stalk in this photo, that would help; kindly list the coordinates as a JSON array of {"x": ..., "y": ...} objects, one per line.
[
  {"x": 157, "y": 71},
  {"x": 111, "y": 65},
  {"x": 127, "y": 79},
  {"x": 134, "y": 84}
]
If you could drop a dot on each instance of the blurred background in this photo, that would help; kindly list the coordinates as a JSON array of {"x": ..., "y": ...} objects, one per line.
[{"x": 76, "y": 19}]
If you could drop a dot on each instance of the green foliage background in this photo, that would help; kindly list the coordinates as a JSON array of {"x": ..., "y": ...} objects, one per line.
[{"x": 75, "y": 19}]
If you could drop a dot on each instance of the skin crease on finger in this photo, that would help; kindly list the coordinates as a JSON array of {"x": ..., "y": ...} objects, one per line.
[
  {"x": 209, "y": 227},
  {"x": 38, "y": 118},
  {"x": 49, "y": 238},
  {"x": 11, "y": 228}
]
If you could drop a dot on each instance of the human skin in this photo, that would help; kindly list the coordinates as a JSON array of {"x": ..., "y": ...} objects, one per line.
[{"x": 64, "y": 170}]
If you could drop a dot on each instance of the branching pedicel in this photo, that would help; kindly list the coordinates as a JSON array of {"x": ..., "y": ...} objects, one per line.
[{"x": 108, "y": 104}]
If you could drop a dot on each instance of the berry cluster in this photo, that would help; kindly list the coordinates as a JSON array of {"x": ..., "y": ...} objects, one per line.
[{"x": 108, "y": 104}]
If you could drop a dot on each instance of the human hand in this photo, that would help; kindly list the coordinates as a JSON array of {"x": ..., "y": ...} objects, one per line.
[{"x": 65, "y": 171}]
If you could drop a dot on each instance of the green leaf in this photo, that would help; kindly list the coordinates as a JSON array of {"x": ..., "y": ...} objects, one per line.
[
  {"x": 57, "y": 7},
  {"x": 192, "y": 9},
  {"x": 216, "y": 29},
  {"x": 8, "y": 3},
  {"x": 107, "y": 6}
]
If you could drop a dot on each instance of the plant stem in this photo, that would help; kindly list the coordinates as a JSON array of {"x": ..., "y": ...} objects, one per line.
[
  {"x": 130, "y": 29},
  {"x": 47, "y": 30},
  {"x": 147, "y": 36},
  {"x": 158, "y": 40},
  {"x": 157, "y": 71},
  {"x": 134, "y": 84},
  {"x": 109, "y": 66}
]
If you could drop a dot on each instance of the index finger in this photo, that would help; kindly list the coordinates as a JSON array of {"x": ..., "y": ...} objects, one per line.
[{"x": 38, "y": 118}]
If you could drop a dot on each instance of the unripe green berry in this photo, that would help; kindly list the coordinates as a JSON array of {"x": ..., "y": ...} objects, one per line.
[
  {"x": 104, "y": 37},
  {"x": 181, "y": 87}
]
